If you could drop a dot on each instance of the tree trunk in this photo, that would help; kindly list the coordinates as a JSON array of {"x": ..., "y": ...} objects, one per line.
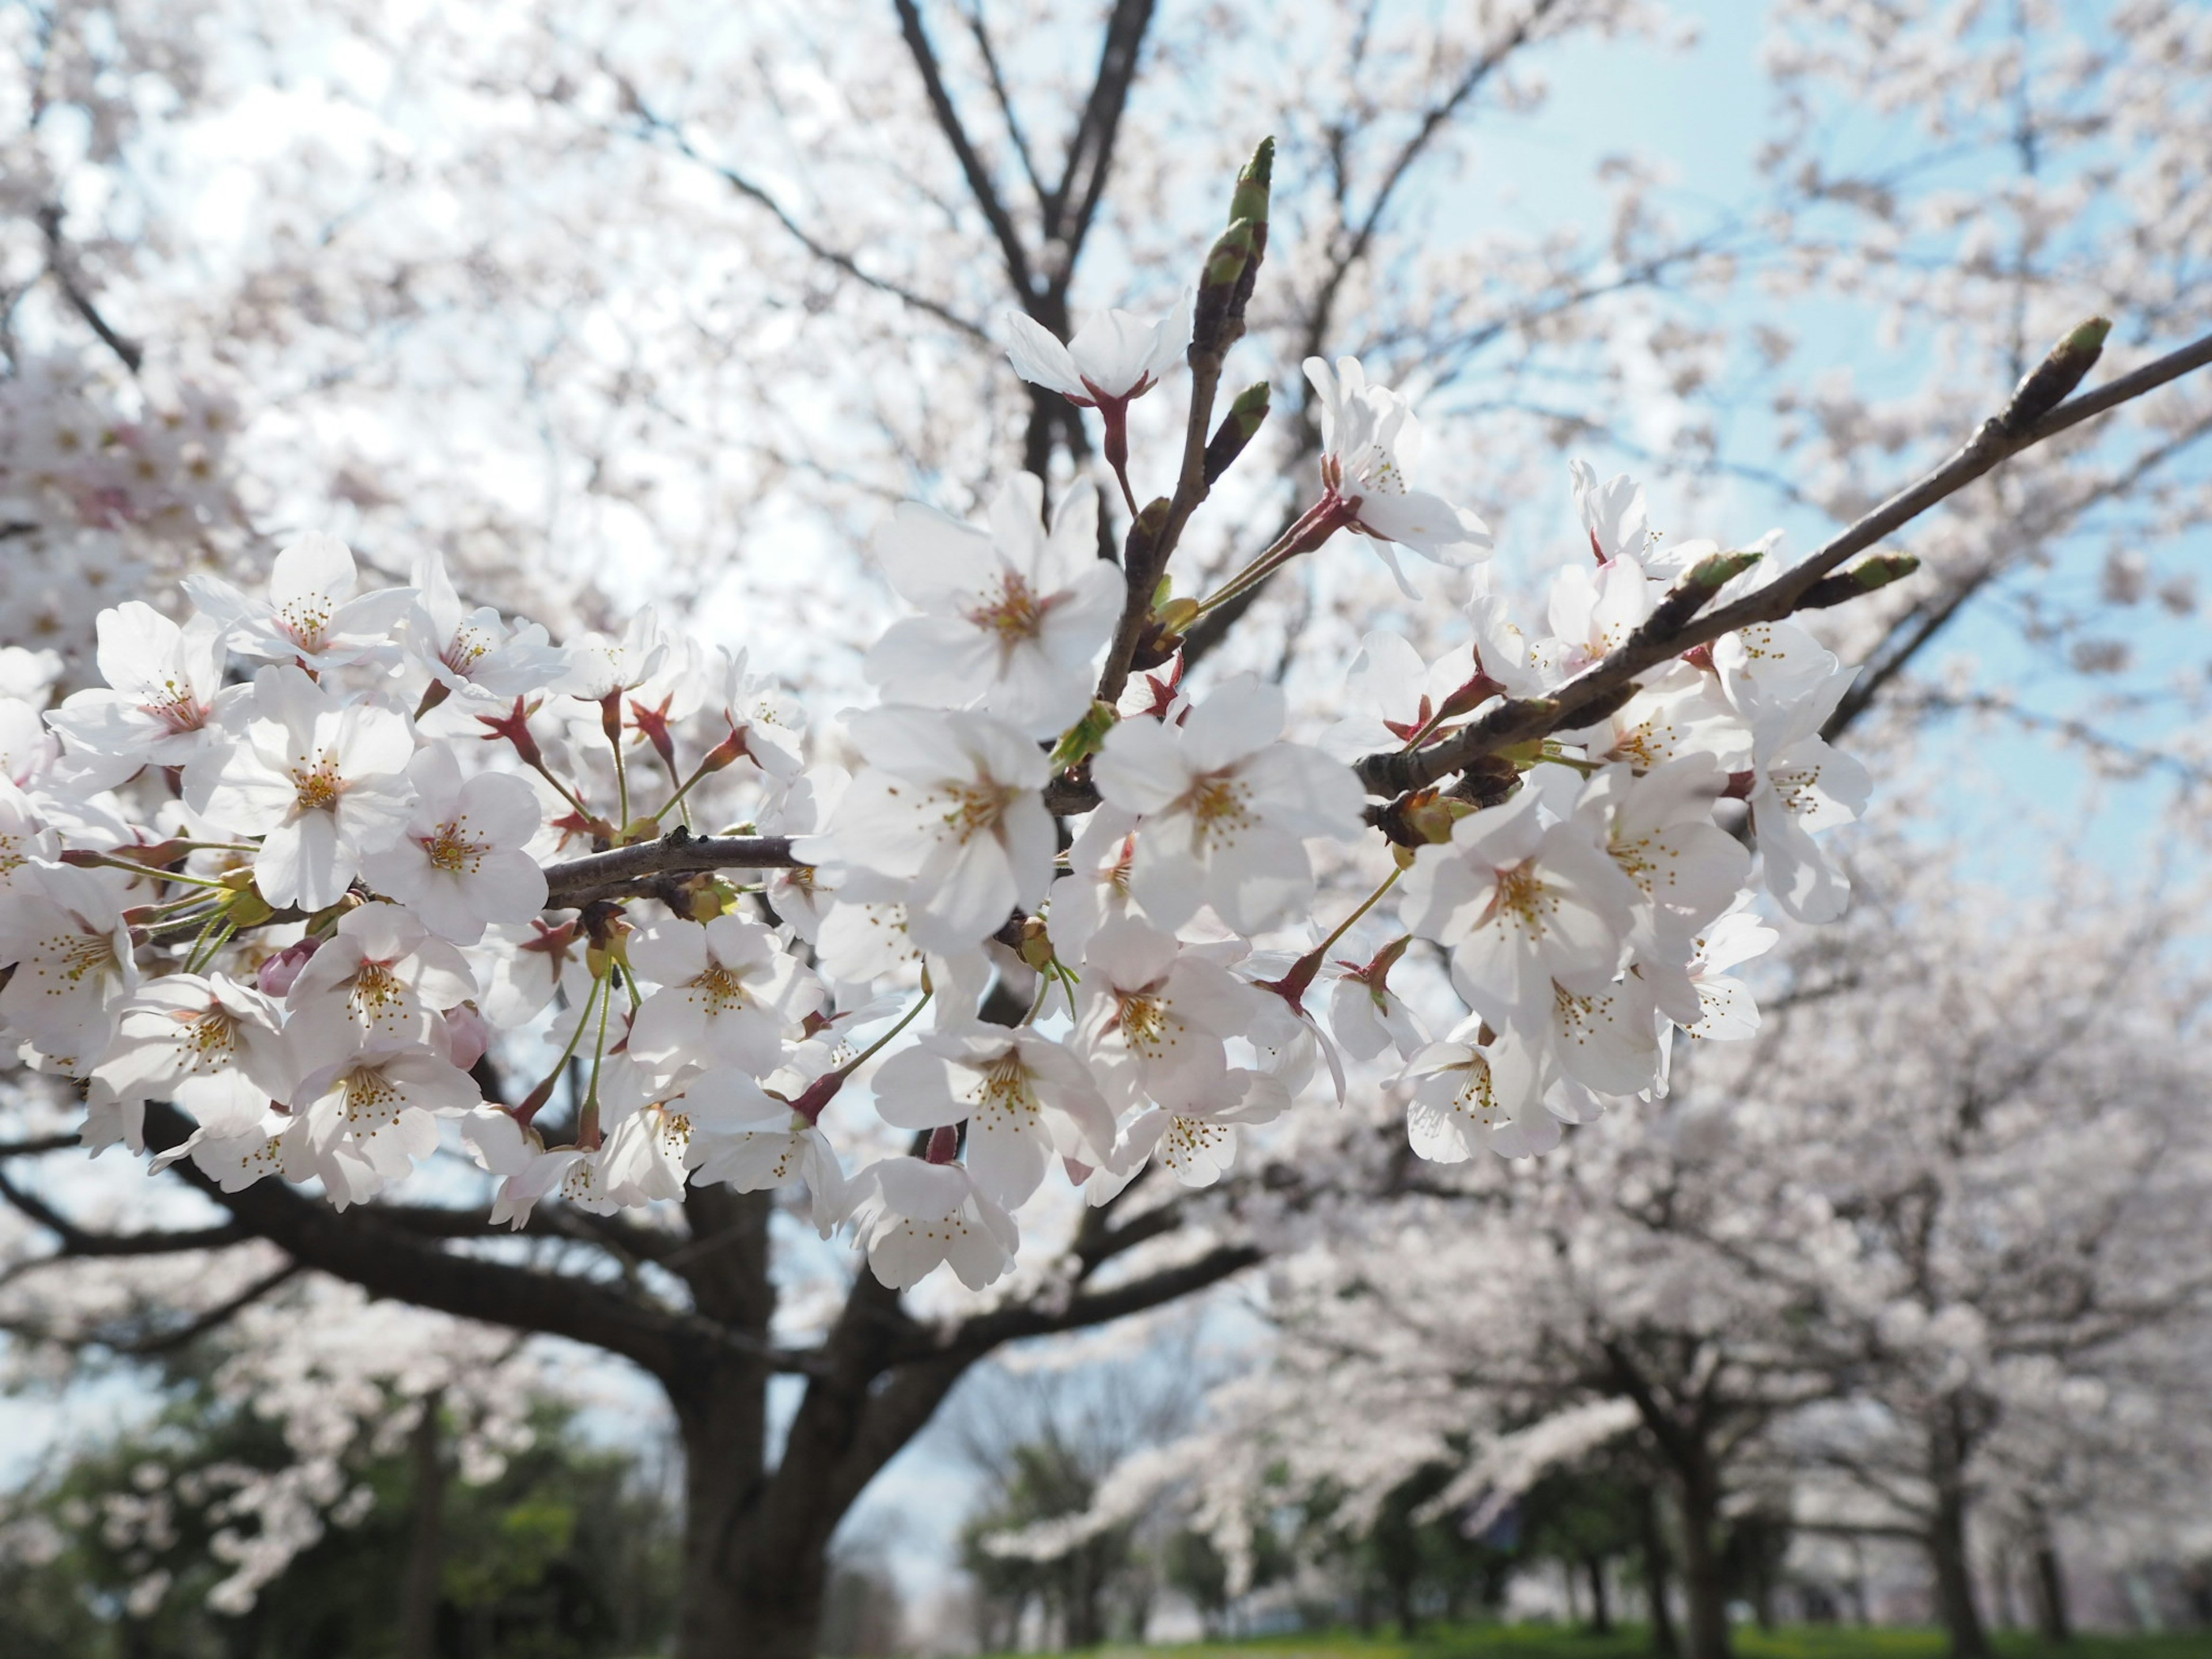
[
  {"x": 426, "y": 1552},
  {"x": 2054, "y": 1616},
  {"x": 744, "y": 1596},
  {"x": 1601, "y": 1618},
  {"x": 1703, "y": 1582},
  {"x": 1955, "y": 1603},
  {"x": 1665, "y": 1643}
]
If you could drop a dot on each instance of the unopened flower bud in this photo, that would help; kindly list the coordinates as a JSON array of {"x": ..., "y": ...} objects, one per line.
[
  {"x": 1718, "y": 570},
  {"x": 275, "y": 974},
  {"x": 467, "y": 1033},
  {"x": 1037, "y": 944},
  {"x": 1083, "y": 739},
  {"x": 1215, "y": 322},
  {"x": 1237, "y": 428}
]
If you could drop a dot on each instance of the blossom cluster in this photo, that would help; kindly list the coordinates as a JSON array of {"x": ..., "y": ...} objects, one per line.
[{"x": 312, "y": 850}]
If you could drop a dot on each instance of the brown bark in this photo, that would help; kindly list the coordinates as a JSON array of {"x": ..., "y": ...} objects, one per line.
[
  {"x": 426, "y": 1554},
  {"x": 1601, "y": 1618},
  {"x": 2054, "y": 1617},
  {"x": 1703, "y": 1582},
  {"x": 1665, "y": 1644},
  {"x": 1956, "y": 1604}
]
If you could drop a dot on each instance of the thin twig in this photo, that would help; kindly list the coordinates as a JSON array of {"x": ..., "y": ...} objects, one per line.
[{"x": 1606, "y": 683}]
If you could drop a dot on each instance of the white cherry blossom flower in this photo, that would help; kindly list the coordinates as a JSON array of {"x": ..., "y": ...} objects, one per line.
[
  {"x": 765, "y": 718},
  {"x": 1606, "y": 1039},
  {"x": 63, "y": 929},
  {"x": 600, "y": 665},
  {"x": 1370, "y": 444},
  {"x": 911, "y": 1216},
  {"x": 323, "y": 783},
  {"x": 1115, "y": 357},
  {"x": 1612, "y": 513},
  {"x": 645, "y": 1157},
  {"x": 1800, "y": 785},
  {"x": 164, "y": 697},
  {"x": 459, "y": 863},
  {"x": 1024, "y": 1097},
  {"x": 1519, "y": 906},
  {"x": 1157, "y": 1018},
  {"x": 312, "y": 615},
  {"x": 1366, "y": 1016},
  {"x": 1197, "y": 1144},
  {"x": 1680, "y": 710},
  {"x": 527, "y": 1171},
  {"x": 1095, "y": 889},
  {"x": 1726, "y": 1011},
  {"x": 748, "y": 1140},
  {"x": 1013, "y": 620},
  {"x": 214, "y": 1046},
  {"x": 1465, "y": 1094},
  {"x": 24, "y": 837},
  {"x": 519, "y": 968},
  {"x": 949, "y": 804},
  {"x": 380, "y": 1107},
  {"x": 1226, "y": 808},
  {"x": 476, "y": 651},
  {"x": 1660, "y": 830},
  {"x": 374, "y": 983},
  {"x": 729, "y": 995},
  {"x": 1396, "y": 697}
]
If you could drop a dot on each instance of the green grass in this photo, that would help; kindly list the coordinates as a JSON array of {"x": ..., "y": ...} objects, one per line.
[{"x": 1550, "y": 1642}]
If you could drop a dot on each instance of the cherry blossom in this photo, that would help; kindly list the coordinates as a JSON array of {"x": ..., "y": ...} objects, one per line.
[
  {"x": 911, "y": 1216},
  {"x": 166, "y": 692},
  {"x": 473, "y": 649},
  {"x": 460, "y": 861},
  {"x": 374, "y": 982},
  {"x": 746, "y": 1139},
  {"x": 322, "y": 782},
  {"x": 1012, "y": 619},
  {"x": 63, "y": 928},
  {"x": 1521, "y": 906},
  {"x": 1115, "y": 357},
  {"x": 948, "y": 804},
  {"x": 215, "y": 1046},
  {"x": 728, "y": 995},
  {"x": 1464, "y": 1094},
  {"x": 1801, "y": 784},
  {"x": 1023, "y": 1096},
  {"x": 312, "y": 616},
  {"x": 1225, "y": 807},
  {"x": 1370, "y": 444}
]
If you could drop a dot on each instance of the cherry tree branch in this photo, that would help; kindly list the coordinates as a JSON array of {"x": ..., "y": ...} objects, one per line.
[
  {"x": 981, "y": 183},
  {"x": 76, "y": 1240},
  {"x": 656, "y": 125},
  {"x": 615, "y": 874},
  {"x": 214, "y": 1319},
  {"x": 58, "y": 262},
  {"x": 1677, "y": 626}
]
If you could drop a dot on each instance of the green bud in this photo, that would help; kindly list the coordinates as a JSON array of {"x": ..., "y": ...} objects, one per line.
[
  {"x": 1718, "y": 570},
  {"x": 2089, "y": 337},
  {"x": 1086, "y": 737},
  {"x": 1250, "y": 201},
  {"x": 1226, "y": 261},
  {"x": 1881, "y": 570},
  {"x": 1176, "y": 615},
  {"x": 1249, "y": 410},
  {"x": 1236, "y": 429}
]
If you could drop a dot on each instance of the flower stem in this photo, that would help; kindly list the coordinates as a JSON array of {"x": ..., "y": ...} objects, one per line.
[
  {"x": 1315, "y": 526},
  {"x": 875, "y": 1048}
]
